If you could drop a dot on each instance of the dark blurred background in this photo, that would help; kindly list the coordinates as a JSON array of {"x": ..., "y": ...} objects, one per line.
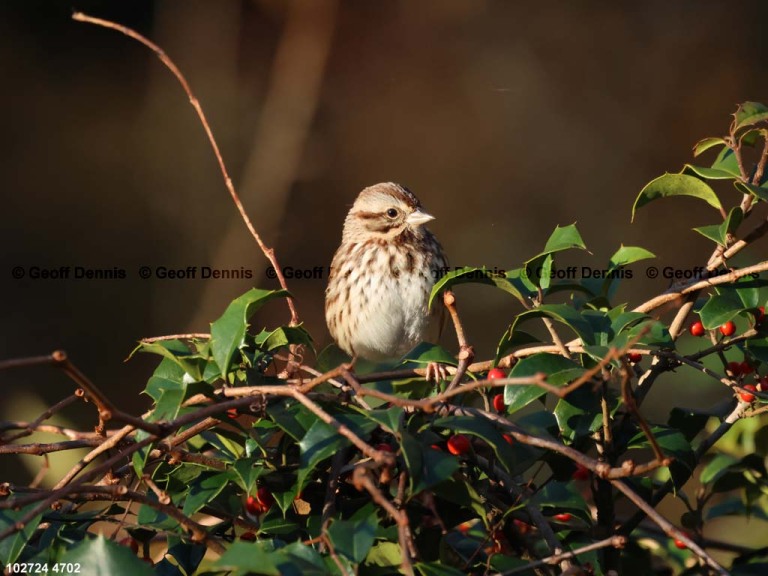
[{"x": 506, "y": 119}]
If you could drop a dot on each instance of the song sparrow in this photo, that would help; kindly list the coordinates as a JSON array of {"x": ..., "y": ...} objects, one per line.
[{"x": 382, "y": 274}]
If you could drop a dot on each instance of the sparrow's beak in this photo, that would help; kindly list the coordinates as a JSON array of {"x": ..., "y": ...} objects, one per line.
[{"x": 418, "y": 218}]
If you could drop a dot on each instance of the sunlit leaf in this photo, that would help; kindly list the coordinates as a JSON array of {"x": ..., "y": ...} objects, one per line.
[{"x": 675, "y": 185}]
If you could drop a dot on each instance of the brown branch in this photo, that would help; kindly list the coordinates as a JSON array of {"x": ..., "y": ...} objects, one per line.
[
  {"x": 268, "y": 252},
  {"x": 696, "y": 285},
  {"x": 466, "y": 352},
  {"x": 700, "y": 451},
  {"x": 31, "y": 427},
  {"x": 192, "y": 336},
  {"x": 612, "y": 541},
  {"x": 538, "y": 519},
  {"x": 668, "y": 528},
  {"x": 361, "y": 479},
  {"x": 25, "y": 362},
  {"x": 629, "y": 402},
  {"x": 198, "y": 532}
]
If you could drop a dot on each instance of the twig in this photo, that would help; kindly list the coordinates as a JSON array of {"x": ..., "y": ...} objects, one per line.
[
  {"x": 31, "y": 427},
  {"x": 362, "y": 480},
  {"x": 696, "y": 285},
  {"x": 700, "y": 451},
  {"x": 192, "y": 336},
  {"x": 668, "y": 528},
  {"x": 629, "y": 402},
  {"x": 268, "y": 252},
  {"x": 612, "y": 541},
  {"x": 466, "y": 352},
  {"x": 556, "y": 337}
]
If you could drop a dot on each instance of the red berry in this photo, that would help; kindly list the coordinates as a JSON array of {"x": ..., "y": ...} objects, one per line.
[
  {"x": 458, "y": 445},
  {"x": 697, "y": 328},
  {"x": 248, "y": 536},
  {"x": 564, "y": 517},
  {"x": 498, "y": 403},
  {"x": 436, "y": 447},
  {"x": 680, "y": 544},
  {"x": 634, "y": 357},
  {"x": 232, "y": 413},
  {"x": 728, "y": 329},
  {"x": 734, "y": 368},
  {"x": 760, "y": 314},
  {"x": 509, "y": 438},
  {"x": 253, "y": 506},
  {"x": 384, "y": 447},
  {"x": 259, "y": 503},
  {"x": 521, "y": 526},
  {"x": 496, "y": 373},
  {"x": 746, "y": 396},
  {"x": 746, "y": 368},
  {"x": 762, "y": 384},
  {"x": 581, "y": 473}
]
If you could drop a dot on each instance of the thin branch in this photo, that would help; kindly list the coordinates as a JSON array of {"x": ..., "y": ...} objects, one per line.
[
  {"x": 466, "y": 352},
  {"x": 613, "y": 541},
  {"x": 268, "y": 252},
  {"x": 192, "y": 336},
  {"x": 668, "y": 528}
]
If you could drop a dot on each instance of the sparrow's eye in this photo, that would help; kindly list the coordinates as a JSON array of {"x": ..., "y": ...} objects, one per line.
[{"x": 392, "y": 213}]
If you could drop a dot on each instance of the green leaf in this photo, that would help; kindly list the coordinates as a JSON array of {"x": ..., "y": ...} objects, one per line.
[
  {"x": 564, "y": 238},
  {"x": 546, "y": 271},
  {"x": 726, "y": 161},
  {"x": 711, "y": 232},
  {"x": 579, "y": 413},
  {"x": 186, "y": 558},
  {"x": 284, "y": 336},
  {"x": 719, "y": 309},
  {"x": 716, "y": 467},
  {"x": 466, "y": 275},
  {"x": 228, "y": 332},
  {"x": 354, "y": 539},
  {"x": 734, "y": 507},
  {"x": 425, "y": 353},
  {"x": 563, "y": 314},
  {"x": 626, "y": 255},
  {"x": 101, "y": 557},
  {"x": 707, "y": 173},
  {"x": 720, "y": 232},
  {"x": 242, "y": 557},
  {"x": 559, "y": 371},
  {"x": 515, "y": 458},
  {"x": 674, "y": 444},
  {"x": 389, "y": 419},
  {"x": 749, "y": 114},
  {"x": 757, "y": 191},
  {"x": 12, "y": 546},
  {"x": 323, "y": 440},
  {"x": 562, "y": 497},
  {"x": 707, "y": 143},
  {"x": 178, "y": 352},
  {"x": 675, "y": 185},
  {"x": 203, "y": 490},
  {"x": 426, "y": 466},
  {"x": 511, "y": 340}
]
